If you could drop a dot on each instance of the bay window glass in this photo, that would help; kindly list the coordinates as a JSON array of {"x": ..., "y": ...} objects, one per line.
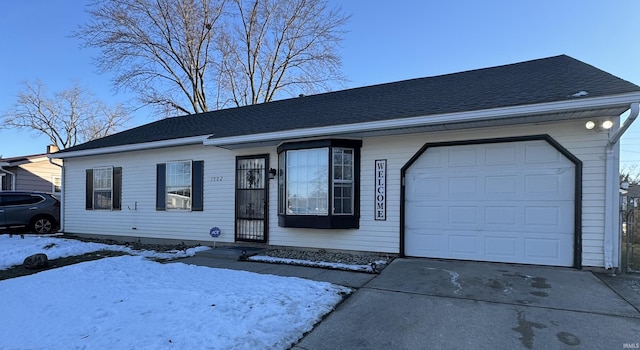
[
  {"x": 342, "y": 181},
  {"x": 307, "y": 192},
  {"x": 318, "y": 183}
]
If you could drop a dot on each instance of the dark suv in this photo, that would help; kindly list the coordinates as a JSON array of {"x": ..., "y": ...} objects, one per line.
[{"x": 37, "y": 211}]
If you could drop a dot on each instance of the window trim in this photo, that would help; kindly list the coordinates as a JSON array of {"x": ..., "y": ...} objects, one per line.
[{"x": 331, "y": 220}]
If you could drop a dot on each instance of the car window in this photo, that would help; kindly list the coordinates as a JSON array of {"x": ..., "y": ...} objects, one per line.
[{"x": 19, "y": 199}]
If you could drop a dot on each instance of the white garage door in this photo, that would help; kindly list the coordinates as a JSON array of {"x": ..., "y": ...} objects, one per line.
[{"x": 504, "y": 202}]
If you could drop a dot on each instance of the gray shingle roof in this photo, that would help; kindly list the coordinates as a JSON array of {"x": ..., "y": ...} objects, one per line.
[{"x": 537, "y": 81}]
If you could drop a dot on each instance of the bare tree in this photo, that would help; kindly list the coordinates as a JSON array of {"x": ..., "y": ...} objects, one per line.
[
  {"x": 70, "y": 117},
  {"x": 159, "y": 48},
  {"x": 180, "y": 54},
  {"x": 279, "y": 45},
  {"x": 630, "y": 174}
]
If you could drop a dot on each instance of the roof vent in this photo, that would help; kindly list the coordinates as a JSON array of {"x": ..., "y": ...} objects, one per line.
[
  {"x": 580, "y": 94},
  {"x": 301, "y": 95}
]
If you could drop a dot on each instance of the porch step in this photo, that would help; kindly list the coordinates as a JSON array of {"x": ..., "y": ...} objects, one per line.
[{"x": 232, "y": 253}]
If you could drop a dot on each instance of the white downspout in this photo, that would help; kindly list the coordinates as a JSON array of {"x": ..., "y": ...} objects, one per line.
[
  {"x": 62, "y": 186},
  {"x": 612, "y": 192},
  {"x": 13, "y": 175}
]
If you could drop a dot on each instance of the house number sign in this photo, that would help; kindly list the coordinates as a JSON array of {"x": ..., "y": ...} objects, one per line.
[{"x": 381, "y": 189}]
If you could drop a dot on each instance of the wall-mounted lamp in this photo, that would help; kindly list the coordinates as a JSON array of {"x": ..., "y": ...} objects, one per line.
[
  {"x": 604, "y": 125},
  {"x": 272, "y": 173}
]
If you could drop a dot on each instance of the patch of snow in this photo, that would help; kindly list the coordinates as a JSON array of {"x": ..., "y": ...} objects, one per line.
[
  {"x": 332, "y": 265},
  {"x": 15, "y": 249},
  {"x": 129, "y": 302}
]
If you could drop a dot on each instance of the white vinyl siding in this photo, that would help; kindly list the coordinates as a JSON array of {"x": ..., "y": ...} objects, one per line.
[{"x": 140, "y": 219}]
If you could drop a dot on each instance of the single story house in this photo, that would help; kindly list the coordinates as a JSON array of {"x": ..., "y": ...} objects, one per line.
[
  {"x": 515, "y": 163},
  {"x": 35, "y": 172}
]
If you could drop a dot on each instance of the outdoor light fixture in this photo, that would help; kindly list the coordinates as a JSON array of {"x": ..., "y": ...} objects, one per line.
[
  {"x": 272, "y": 174},
  {"x": 590, "y": 125},
  {"x": 604, "y": 125}
]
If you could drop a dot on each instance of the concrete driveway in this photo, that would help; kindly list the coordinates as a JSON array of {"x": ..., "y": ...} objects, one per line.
[{"x": 436, "y": 304}]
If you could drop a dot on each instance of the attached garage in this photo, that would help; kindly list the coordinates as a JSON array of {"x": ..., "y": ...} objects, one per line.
[{"x": 503, "y": 200}]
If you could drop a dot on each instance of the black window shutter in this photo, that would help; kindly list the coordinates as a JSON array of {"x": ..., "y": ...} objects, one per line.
[
  {"x": 161, "y": 180},
  {"x": 117, "y": 188},
  {"x": 89, "y": 190},
  {"x": 197, "y": 183}
]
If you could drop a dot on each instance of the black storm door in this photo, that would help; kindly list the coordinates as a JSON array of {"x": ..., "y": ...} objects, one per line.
[{"x": 251, "y": 198}]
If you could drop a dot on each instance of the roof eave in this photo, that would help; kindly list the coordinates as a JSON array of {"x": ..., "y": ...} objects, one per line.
[
  {"x": 185, "y": 141},
  {"x": 459, "y": 117}
]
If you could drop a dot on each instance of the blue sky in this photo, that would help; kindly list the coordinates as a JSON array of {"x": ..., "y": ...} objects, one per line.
[{"x": 386, "y": 41}]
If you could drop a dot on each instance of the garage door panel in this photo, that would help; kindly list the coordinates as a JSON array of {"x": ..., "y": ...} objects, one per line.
[
  {"x": 537, "y": 153},
  {"x": 462, "y": 186},
  {"x": 463, "y": 157},
  {"x": 501, "y": 247},
  {"x": 502, "y": 185},
  {"x": 549, "y": 217},
  {"x": 501, "y": 155},
  {"x": 540, "y": 248},
  {"x": 501, "y": 216},
  {"x": 463, "y": 215},
  {"x": 463, "y": 245},
  {"x": 511, "y": 202},
  {"x": 422, "y": 188},
  {"x": 426, "y": 243},
  {"x": 425, "y": 216}
]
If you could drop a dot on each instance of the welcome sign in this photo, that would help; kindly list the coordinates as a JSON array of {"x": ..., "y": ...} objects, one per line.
[{"x": 381, "y": 189}]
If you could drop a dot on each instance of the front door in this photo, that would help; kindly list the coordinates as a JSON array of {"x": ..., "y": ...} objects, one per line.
[{"x": 251, "y": 198}]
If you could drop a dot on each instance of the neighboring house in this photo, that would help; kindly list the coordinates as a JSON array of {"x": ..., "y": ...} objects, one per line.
[
  {"x": 493, "y": 164},
  {"x": 31, "y": 173}
]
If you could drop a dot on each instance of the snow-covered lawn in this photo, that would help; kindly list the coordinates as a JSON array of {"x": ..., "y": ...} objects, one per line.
[
  {"x": 130, "y": 302},
  {"x": 14, "y": 249}
]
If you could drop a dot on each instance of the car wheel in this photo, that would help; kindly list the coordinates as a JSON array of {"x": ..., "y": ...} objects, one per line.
[{"x": 42, "y": 225}]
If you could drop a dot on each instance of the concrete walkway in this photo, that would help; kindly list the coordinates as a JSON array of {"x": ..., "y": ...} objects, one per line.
[
  {"x": 438, "y": 304},
  {"x": 227, "y": 258}
]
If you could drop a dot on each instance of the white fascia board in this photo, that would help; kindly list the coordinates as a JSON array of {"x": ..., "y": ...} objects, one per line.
[
  {"x": 494, "y": 113},
  {"x": 195, "y": 140}
]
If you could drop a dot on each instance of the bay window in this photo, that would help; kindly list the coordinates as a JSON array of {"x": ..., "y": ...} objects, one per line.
[{"x": 318, "y": 184}]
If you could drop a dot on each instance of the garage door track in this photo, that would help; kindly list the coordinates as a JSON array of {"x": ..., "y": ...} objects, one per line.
[{"x": 442, "y": 304}]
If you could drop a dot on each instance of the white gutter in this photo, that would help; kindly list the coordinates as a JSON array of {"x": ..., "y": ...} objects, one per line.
[
  {"x": 612, "y": 192},
  {"x": 194, "y": 140},
  {"x": 62, "y": 187},
  {"x": 13, "y": 175},
  {"x": 494, "y": 113}
]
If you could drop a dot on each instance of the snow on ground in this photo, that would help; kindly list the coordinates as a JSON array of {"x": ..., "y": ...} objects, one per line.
[
  {"x": 326, "y": 264},
  {"x": 14, "y": 249},
  {"x": 129, "y": 302}
]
